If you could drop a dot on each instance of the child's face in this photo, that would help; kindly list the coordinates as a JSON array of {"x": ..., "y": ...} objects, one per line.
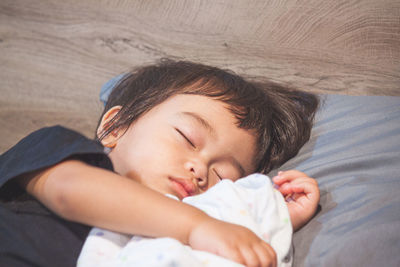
[{"x": 184, "y": 146}]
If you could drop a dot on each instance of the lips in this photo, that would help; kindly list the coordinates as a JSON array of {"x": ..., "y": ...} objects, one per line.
[{"x": 183, "y": 187}]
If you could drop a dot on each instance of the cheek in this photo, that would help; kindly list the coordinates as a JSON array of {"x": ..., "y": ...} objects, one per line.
[
  {"x": 154, "y": 153},
  {"x": 229, "y": 172}
]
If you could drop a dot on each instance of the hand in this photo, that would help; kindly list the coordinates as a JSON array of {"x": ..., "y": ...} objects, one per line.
[
  {"x": 301, "y": 194},
  {"x": 232, "y": 241}
]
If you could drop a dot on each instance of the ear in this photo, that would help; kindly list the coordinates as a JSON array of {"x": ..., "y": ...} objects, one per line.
[{"x": 111, "y": 139}]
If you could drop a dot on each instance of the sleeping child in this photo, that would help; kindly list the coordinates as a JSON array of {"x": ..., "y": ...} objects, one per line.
[{"x": 173, "y": 128}]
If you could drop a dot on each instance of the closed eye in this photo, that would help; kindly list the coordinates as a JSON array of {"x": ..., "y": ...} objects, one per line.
[
  {"x": 219, "y": 177},
  {"x": 186, "y": 138}
]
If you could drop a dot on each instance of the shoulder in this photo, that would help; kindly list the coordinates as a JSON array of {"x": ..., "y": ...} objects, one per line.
[{"x": 49, "y": 146}]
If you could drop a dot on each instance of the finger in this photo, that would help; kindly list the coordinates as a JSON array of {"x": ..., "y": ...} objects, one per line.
[
  {"x": 266, "y": 254},
  {"x": 309, "y": 189},
  {"x": 233, "y": 254},
  {"x": 293, "y": 186},
  {"x": 306, "y": 179},
  {"x": 299, "y": 189},
  {"x": 288, "y": 176},
  {"x": 305, "y": 186},
  {"x": 250, "y": 257},
  {"x": 269, "y": 257},
  {"x": 292, "y": 173},
  {"x": 288, "y": 187}
]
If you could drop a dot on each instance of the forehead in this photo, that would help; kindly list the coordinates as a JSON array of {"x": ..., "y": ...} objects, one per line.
[
  {"x": 194, "y": 101},
  {"x": 209, "y": 112}
]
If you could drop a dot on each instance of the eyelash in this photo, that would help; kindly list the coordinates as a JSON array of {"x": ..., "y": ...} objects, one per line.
[
  {"x": 186, "y": 138},
  {"x": 216, "y": 173}
]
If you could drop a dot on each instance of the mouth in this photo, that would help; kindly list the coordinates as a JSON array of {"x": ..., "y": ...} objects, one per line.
[{"x": 182, "y": 187}]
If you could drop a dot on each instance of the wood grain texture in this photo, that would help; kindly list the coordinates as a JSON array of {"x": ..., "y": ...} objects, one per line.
[{"x": 55, "y": 55}]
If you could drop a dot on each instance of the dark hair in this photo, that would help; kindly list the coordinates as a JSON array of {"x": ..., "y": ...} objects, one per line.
[{"x": 281, "y": 117}]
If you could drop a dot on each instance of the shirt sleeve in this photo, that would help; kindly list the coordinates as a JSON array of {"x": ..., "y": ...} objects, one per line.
[
  {"x": 30, "y": 233},
  {"x": 47, "y": 147}
]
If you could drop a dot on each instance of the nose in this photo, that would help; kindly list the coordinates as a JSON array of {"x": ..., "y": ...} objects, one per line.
[{"x": 199, "y": 171}]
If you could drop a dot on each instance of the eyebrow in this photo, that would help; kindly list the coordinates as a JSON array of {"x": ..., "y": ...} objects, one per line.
[{"x": 203, "y": 122}]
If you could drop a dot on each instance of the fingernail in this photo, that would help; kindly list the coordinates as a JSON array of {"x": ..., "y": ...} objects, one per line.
[
  {"x": 278, "y": 176},
  {"x": 289, "y": 198},
  {"x": 280, "y": 172}
]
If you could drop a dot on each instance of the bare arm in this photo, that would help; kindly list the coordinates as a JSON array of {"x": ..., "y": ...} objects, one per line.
[
  {"x": 94, "y": 196},
  {"x": 97, "y": 197}
]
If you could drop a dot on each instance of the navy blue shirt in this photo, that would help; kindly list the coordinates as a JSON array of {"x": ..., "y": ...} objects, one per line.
[{"x": 30, "y": 234}]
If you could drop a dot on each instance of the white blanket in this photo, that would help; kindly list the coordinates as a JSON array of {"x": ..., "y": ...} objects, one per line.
[{"x": 251, "y": 202}]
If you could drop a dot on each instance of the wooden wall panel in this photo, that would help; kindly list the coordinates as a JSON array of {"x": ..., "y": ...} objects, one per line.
[{"x": 55, "y": 55}]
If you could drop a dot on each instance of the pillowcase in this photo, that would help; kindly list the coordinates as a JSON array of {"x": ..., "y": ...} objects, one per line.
[{"x": 107, "y": 88}]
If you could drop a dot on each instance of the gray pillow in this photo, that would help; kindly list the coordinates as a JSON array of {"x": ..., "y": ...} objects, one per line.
[{"x": 354, "y": 153}]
